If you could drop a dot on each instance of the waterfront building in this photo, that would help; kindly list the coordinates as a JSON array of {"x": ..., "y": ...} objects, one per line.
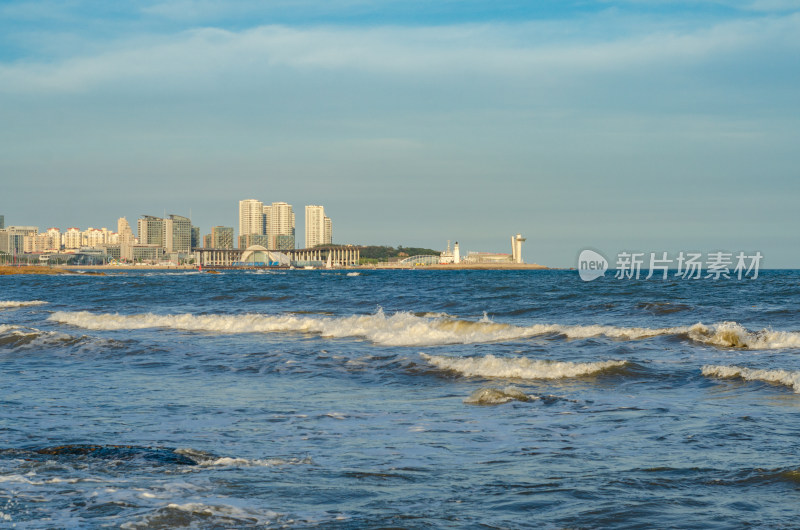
[
  {"x": 93, "y": 237},
  {"x": 55, "y": 239},
  {"x": 151, "y": 230},
  {"x": 11, "y": 242},
  {"x": 251, "y": 217},
  {"x": 72, "y": 238},
  {"x": 177, "y": 235},
  {"x": 195, "y": 236},
  {"x": 2, "y": 222},
  {"x": 35, "y": 244},
  {"x": 280, "y": 222},
  {"x": 253, "y": 240},
  {"x": 318, "y": 227},
  {"x": 222, "y": 237},
  {"x": 207, "y": 241},
  {"x": 126, "y": 239}
]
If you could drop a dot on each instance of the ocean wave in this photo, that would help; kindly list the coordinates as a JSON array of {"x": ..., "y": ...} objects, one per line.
[
  {"x": 16, "y": 336},
  {"x": 781, "y": 377},
  {"x": 9, "y": 304},
  {"x": 421, "y": 329},
  {"x": 517, "y": 367},
  {"x": 398, "y": 329},
  {"x": 497, "y": 396},
  {"x": 734, "y": 335}
]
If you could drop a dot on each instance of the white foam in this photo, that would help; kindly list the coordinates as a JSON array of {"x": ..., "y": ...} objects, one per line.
[
  {"x": 732, "y": 334},
  {"x": 429, "y": 329},
  {"x": 497, "y": 396},
  {"x": 517, "y": 367},
  {"x": 13, "y": 303},
  {"x": 398, "y": 329},
  {"x": 782, "y": 377}
]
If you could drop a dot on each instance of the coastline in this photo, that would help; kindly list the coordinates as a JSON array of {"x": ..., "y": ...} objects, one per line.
[{"x": 6, "y": 270}]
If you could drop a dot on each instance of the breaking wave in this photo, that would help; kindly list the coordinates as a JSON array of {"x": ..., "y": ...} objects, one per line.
[
  {"x": 421, "y": 329},
  {"x": 6, "y": 304},
  {"x": 398, "y": 329},
  {"x": 517, "y": 367},
  {"x": 732, "y": 334},
  {"x": 781, "y": 377},
  {"x": 17, "y": 336}
]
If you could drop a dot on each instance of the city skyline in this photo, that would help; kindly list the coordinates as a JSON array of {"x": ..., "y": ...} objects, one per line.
[{"x": 618, "y": 125}]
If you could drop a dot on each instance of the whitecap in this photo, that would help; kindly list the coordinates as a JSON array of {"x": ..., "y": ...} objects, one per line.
[
  {"x": 7, "y": 304},
  {"x": 733, "y": 334},
  {"x": 783, "y": 377},
  {"x": 517, "y": 367},
  {"x": 425, "y": 329}
]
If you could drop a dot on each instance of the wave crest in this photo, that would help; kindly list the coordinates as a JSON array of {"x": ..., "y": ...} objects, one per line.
[
  {"x": 421, "y": 329},
  {"x": 6, "y": 304},
  {"x": 734, "y": 335},
  {"x": 517, "y": 367},
  {"x": 782, "y": 377}
]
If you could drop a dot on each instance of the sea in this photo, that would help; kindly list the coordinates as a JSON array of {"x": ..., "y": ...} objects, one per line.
[{"x": 398, "y": 399}]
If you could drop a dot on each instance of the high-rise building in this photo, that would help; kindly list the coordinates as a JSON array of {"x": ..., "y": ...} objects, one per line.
[
  {"x": 222, "y": 237},
  {"x": 72, "y": 238},
  {"x": 2, "y": 222},
  {"x": 195, "y": 237},
  {"x": 126, "y": 239},
  {"x": 251, "y": 217},
  {"x": 12, "y": 242},
  {"x": 279, "y": 218},
  {"x": 177, "y": 236},
  {"x": 151, "y": 230},
  {"x": 54, "y": 234},
  {"x": 318, "y": 226}
]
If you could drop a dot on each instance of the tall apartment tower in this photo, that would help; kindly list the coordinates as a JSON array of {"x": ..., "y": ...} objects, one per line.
[
  {"x": 251, "y": 217},
  {"x": 177, "y": 236},
  {"x": 279, "y": 220},
  {"x": 126, "y": 239},
  {"x": 318, "y": 226},
  {"x": 151, "y": 230}
]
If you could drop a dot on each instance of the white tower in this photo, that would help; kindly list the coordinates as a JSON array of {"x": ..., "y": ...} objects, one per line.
[
  {"x": 251, "y": 220},
  {"x": 516, "y": 248},
  {"x": 456, "y": 254}
]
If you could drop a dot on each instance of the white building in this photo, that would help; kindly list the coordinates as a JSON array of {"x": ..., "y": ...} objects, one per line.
[
  {"x": 318, "y": 227},
  {"x": 55, "y": 238},
  {"x": 126, "y": 239},
  {"x": 72, "y": 238},
  {"x": 280, "y": 225},
  {"x": 251, "y": 217}
]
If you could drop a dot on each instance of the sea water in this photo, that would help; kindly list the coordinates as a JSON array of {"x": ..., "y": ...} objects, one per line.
[{"x": 415, "y": 399}]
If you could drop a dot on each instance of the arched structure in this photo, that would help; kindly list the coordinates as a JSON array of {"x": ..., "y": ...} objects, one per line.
[
  {"x": 424, "y": 259},
  {"x": 259, "y": 256}
]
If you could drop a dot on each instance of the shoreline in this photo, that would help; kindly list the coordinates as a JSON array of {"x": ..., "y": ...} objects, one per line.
[{"x": 7, "y": 270}]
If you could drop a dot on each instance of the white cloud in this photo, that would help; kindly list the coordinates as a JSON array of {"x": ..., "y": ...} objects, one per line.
[{"x": 192, "y": 60}]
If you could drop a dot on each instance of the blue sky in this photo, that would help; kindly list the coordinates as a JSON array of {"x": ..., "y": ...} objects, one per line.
[{"x": 639, "y": 125}]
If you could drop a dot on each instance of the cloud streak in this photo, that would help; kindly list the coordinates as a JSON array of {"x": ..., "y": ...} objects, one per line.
[{"x": 205, "y": 58}]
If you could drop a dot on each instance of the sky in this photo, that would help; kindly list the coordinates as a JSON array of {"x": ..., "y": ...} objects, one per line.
[{"x": 613, "y": 125}]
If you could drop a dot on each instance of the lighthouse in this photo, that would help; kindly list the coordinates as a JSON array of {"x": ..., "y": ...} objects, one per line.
[{"x": 516, "y": 248}]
